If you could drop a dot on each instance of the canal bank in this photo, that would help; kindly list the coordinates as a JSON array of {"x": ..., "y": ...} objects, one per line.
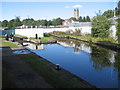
[
  {"x": 100, "y": 43},
  {"x": 17, "y": 64},
  {"x": 85, "y": 61},
  {"x": 94, "y": 64}
]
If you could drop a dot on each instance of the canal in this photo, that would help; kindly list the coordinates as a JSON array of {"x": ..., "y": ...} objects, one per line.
[{"x": 98, "y": 66}]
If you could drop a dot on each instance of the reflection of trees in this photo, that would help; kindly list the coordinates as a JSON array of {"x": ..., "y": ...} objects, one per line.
[
  {"x": 100, "y": 57},
  {"x": 117, "y": 63}
]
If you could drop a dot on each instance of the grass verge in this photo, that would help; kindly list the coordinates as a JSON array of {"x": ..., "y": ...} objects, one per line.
[
  {"x": 94, "y": 39},
  {"x": 47, "y": 39},
  {"x": 7, "y": 43},
  {"x": 20, "y": 35},
  {"x": 52, "y": 77}
]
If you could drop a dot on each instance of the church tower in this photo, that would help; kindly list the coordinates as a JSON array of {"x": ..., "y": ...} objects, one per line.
[{"x": 76, "y": 14}]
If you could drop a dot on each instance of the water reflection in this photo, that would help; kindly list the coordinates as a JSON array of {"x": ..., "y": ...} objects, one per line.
[
  {"x": 100, "y": 57},
  {"x": 33, "y": 46},
  {"x": 76, "y": 46},
  {"x": 94, "y": 64}
]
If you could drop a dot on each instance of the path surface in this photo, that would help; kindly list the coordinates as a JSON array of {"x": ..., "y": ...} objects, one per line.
[{"x": 20, "y": 73}]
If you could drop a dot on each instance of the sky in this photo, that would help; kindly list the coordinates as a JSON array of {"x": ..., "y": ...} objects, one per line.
[{"x": 50, "y": 10}]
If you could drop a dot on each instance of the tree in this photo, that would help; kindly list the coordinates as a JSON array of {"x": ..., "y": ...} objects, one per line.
[
  {"x": 57, "y": 21},
  {"x": 4, "y": 23},
  {"x": 80, "y": 19},
  {"x": 100, "y": 26},
  {"x": 119, "y": 5},
  {"x": 118, "y": 25},
  {"x": 118, "y": 30},
  {"x": 73, "y": 18},
  {"x": 87, "y": 18},
  {"x": 0, "y": 24},
  {"x": 49, "y": 23},
  {"x": 17, "y": 22},
  {"x": 84, "y": 19},
  {"x": 29, "y": 21},
  {"x": 11, "y": 24},
  {"x": 108, "y": 13}
]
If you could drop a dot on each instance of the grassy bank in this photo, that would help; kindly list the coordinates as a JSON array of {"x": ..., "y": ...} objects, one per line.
[
  {"x": 47, "y": 39},
  {"x": 93, "y": 39},
  {"x": 51, "y": 76},
  {"x": 42, "y": 39},
  {"x": 20, "y": 35},
  {"x": 3, "y": 42}
]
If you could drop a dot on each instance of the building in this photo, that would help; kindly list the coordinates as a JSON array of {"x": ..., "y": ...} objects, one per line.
[
  {"x": 68, "y": 21},
  {"x": 3, "y": 28},
  {"x": 76, "y": 14}
]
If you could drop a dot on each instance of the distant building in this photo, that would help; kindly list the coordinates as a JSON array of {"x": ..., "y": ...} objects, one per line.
[
  {"x": 68, "y": 21},
  {"x": 3, "y": 28},
  {"x": 76, "y": 14}
]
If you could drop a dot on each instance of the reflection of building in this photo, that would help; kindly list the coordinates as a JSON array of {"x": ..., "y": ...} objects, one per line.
[
  {"x": 76, "y": 50},
  {"x": 33, "y": 46},
  {"x": 73, "y": 45}
]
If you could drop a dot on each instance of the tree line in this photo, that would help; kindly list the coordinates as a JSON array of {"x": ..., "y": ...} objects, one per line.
[
  {"x": 30, "y": 22},
  {"x": 82, "y": 19}
]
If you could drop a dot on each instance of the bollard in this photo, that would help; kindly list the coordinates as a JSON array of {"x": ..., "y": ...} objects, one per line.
[
  {"x": 13, "y": 40},
  {"x": 58, "y": 67},
  {"x": 36, "y": 36},
  {"x": 7, "y": 38}
]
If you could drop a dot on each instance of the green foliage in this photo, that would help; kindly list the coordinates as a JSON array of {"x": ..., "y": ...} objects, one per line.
[
  {"x": 17, "y": 22},
  {"x": 80, "y": 19},
  {"x": 11, "y": 24},
  {"x": 4, "y": 23},
  {"x": 108, "y": 13},
  {"x": 100, "y": 26},
  {"x": 100, "y": 57},
  {"x": 0, "y": 24},
  {"x": 77, "y": 32},
  {"x": 29, "y": 21},
  {"x": 57, "y": 21},
  {"x": 87, "y": 18},
  {"x": 6, "y": 43},
  {"x": 49, "y": 23},
  {"x": 119, "y": 4},
  {"x": 118, "y": 30},
  {"x": 47, "y": 39},
  {"x": 73, "y": 18},
  {"x": 84, "y": 19}
]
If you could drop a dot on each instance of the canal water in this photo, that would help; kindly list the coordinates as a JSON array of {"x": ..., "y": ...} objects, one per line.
[{"x": 98, "y": 66}]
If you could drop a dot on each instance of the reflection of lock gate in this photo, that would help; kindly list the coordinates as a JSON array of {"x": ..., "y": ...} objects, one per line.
[{"x": 58, "y": 67}]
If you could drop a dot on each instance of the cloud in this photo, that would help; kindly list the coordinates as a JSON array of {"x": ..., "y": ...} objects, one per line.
[
  {"x": 67, "y": 7},
  {"x": 77, "y": 6}
]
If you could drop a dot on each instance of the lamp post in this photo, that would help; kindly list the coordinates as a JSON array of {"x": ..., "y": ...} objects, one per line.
[{"x": 114, "y": 9}]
